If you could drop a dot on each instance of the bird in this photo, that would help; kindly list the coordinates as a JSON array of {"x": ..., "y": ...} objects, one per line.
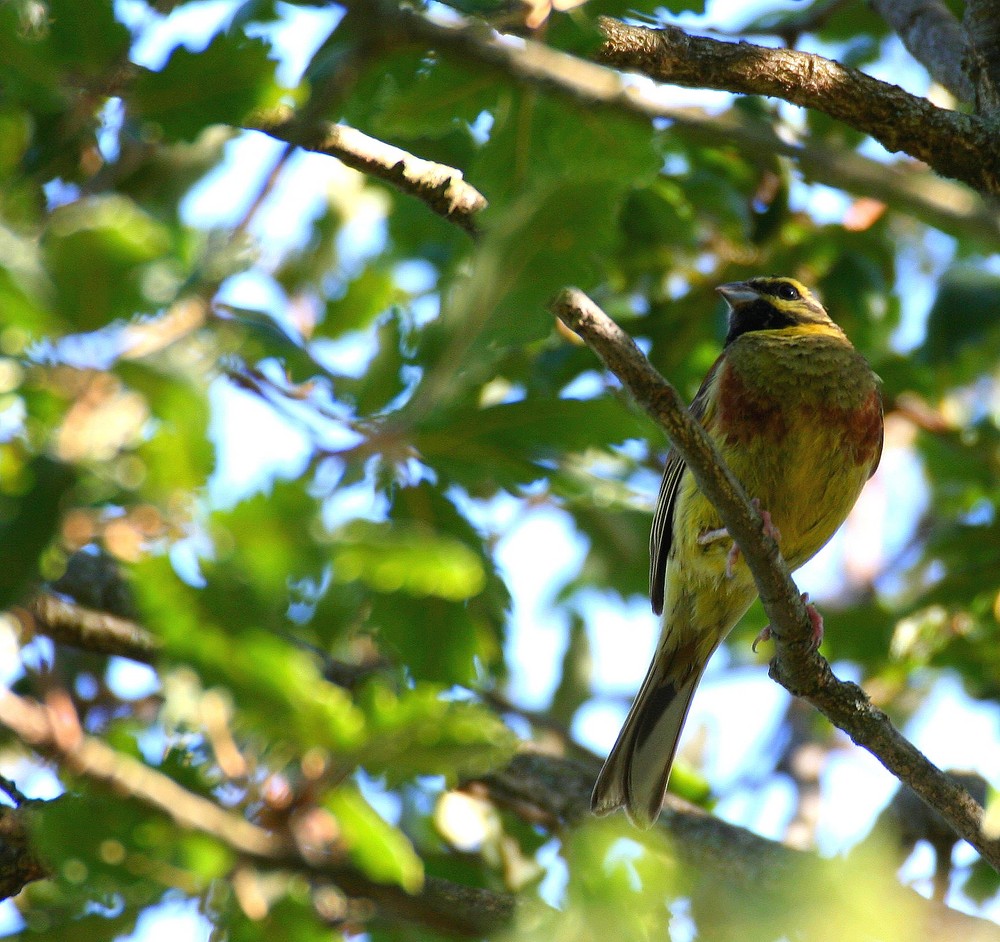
[{"x": 796, "y": 413}]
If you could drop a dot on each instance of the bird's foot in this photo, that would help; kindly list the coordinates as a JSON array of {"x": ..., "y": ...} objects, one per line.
[
  {"x": 710, "y": 536},
  {"x": 815, "y": 619},
  {"x": 765, "y": 635},
  {"x": 769, "y": 528}
]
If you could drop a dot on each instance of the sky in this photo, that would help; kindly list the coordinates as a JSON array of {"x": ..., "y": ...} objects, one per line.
[{"x": 735, "y": 713}]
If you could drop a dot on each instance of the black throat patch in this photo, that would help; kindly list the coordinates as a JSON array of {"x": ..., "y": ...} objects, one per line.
[{"x": 757, "y": 315}]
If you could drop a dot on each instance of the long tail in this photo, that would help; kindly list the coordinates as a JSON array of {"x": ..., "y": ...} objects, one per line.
[{"x": 635, "y": 774}]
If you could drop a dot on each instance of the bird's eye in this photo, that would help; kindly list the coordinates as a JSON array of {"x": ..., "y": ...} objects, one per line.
[{"x": 788, "y": 292}]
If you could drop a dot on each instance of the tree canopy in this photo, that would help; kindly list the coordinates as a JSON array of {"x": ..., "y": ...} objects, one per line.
[{"x": 286, "y": 355}]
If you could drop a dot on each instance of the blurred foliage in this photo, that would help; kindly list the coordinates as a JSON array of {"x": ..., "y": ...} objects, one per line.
[{"x": 149, "y": 329}]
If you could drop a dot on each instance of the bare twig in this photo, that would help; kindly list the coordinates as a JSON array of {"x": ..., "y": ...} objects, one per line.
[
  {"x": 798, "y": 668},
  {"x": 441, "y": 187},
  {"x": 68, "y": 623}
]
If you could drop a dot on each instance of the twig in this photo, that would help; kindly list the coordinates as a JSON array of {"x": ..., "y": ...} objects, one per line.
[
  {"x": 441, "y": 187},
  {"x": 12, "y": 791},
  {"x": 798, "y": 668},
  {"x": 68, "y": 623}
]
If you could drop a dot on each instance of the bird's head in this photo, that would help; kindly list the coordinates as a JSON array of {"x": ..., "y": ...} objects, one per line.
[{"x": 771, "y": 304}]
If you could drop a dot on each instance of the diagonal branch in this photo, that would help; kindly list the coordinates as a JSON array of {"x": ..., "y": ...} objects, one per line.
[
  {"x": 721, "y": 859},
  {"x": 69, "y": 623},
  {"x": 954, "y": 144},
  {"x": 796, "y": 667},
  {"x": 441, "y": 187}
]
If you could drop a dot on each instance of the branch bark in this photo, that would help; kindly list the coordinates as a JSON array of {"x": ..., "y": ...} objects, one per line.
[
  {"x": 799, "y": 669},
  {"x": 67, "y": 622},
  {"x": 982, "y": 28},
  {"x": 441, "y": 187},
  {"x": 954, "y": 144}
]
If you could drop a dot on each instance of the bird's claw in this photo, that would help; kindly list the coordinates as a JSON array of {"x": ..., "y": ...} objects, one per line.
[{"x": 815, "y": 619}]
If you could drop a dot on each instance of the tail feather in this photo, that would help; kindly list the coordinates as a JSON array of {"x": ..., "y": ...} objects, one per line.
[{"x": 635, "y": 774}]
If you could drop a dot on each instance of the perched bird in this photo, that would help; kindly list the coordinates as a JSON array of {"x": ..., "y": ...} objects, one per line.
[{"x": 796, "y": 412}]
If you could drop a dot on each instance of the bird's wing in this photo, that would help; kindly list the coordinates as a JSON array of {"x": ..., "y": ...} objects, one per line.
[
  {"x": 881, "y": 439},
  {"x": 661, "y": 535}
]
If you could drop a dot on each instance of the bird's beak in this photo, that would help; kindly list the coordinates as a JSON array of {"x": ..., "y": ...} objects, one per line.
[{"x": 737, "y": 292}]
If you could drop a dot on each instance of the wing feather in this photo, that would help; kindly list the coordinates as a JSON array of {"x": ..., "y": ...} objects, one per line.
[{"x": 661, "y": 534}]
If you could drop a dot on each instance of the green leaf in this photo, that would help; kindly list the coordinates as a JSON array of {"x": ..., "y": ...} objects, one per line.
[
  {"x": 32, "y": 493},
  {"x": 418, "y": 731},
  {"x": 219, "y": 85},
  {"x": 97, "y": 251},
  {"x": 38, "y": 42},
  {"x": 278, "y": 683},
  {"x": 956, "y": 320},
  {"x": 410, "y": 560},
  {"x": 507, "y": 445},
  {"x": 378, "y": 849},
  {"x": 177, "y": 456}
]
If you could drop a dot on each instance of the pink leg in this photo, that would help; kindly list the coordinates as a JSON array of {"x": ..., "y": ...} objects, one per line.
[
  {"x": 816, "y": 620},
  {"x": 769, "y": 528},
  {"x": 734, "y": 554}
]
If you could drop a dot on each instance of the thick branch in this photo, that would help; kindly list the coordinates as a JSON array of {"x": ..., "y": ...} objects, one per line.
[
  {"x": 722, "y": 859},
  {"x": 441, "y": 187},
  {"x": 440, "y": 905},
  {"x": 934, "y": 38},
  {"x": 796, "y": 666},
  {"x": 954, "y": 144}
]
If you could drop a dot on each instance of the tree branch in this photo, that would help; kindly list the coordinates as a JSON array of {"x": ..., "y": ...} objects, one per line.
[
  {"x": 954, "y": 144},
  {"x": 934, "y": 38},
  {"x": 723, "y": 859},
  {"x": 440, "y": 905},
  {"x": 798, "y": 668},
  {"x": 441, "y": 187},
  {"x": 67, "y": 622}
]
